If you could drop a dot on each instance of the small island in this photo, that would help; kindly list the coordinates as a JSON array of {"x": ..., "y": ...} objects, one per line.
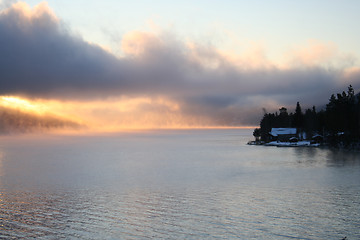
[{"x": 337, "y": 125}]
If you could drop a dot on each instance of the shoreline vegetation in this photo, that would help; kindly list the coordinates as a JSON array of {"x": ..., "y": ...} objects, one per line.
[{"x": 335, "y": 126}]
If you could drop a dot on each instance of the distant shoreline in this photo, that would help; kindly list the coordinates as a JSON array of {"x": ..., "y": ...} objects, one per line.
[
  {"x": 286, "y": 144},
  {"x": 306, "y": 144}
]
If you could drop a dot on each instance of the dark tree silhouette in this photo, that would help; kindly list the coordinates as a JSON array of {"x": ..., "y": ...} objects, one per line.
[
  {"x": 257, "y": 134},
  {"x": 298, "y": 117},
  {"x": 339, "y": 122}
]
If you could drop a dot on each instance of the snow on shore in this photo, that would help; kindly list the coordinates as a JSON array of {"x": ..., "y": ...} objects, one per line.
[{"x": 292, "y": 144}]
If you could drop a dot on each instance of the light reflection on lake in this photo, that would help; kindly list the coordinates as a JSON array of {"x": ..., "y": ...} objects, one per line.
[{"x": 195, "y": 184}]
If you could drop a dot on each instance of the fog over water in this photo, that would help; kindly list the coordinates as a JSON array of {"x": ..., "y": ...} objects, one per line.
[{"x": 175, "y": 184}]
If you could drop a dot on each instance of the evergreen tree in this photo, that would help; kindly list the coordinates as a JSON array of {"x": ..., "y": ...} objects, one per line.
[
  {"x": 310, "y": 122},
  {"x": 298, "y": 121},
  {"x": 339, "y": 122},
  {"x": 283, "y": 120},
  {"x": 257, "y": 134}
]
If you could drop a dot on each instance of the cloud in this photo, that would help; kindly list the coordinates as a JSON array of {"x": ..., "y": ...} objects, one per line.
[
  {"x": 317, "y": 53},
  {"x": 40, "y": 56},
  {"x": 312, "y": 54},
  {"x": 351, "y": 75},
  {"x": 43, "y": 58},
  {"x": 6, "y": 3}
]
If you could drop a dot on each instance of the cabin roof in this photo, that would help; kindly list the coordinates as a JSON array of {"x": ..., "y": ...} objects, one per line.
[
  {"x": 282, "y": 131},
  {"x": 317, "y": 136}
]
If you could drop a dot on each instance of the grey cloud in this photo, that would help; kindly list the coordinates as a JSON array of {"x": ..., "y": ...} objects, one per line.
[
  {"x": 42, "y": 58},
  {"x": 6, "y": 3}
]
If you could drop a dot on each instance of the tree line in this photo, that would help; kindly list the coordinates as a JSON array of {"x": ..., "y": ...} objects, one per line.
[{"x": 338, "y": 123}]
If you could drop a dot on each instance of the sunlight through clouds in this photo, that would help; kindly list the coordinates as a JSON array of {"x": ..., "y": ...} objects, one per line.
[{"x": 162, "y": 78}]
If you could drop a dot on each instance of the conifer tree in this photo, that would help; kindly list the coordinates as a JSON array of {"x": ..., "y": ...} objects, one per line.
[{"x": 298, "y": 117}]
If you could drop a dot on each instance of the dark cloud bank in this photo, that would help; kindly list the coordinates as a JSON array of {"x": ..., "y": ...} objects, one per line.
[{"x": 40, "y": 57}]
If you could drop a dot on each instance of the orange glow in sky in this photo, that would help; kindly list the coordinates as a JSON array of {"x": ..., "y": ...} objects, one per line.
[{"x": 112, "y": 114}]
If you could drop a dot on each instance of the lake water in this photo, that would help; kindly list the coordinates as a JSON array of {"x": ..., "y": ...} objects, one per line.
[{"x": 184, "y": 184}]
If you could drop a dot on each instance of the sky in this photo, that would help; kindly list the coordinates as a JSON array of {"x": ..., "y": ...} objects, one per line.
[{"x": 153, "y": 64}]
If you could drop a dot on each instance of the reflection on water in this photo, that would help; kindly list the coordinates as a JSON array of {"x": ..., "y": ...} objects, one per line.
[
  {"x": 343, "y": 158},
  {"x": 245, "y": 213},
  {"x": 329, "y": 157},
  {"x": 196, "y": 185},
  {"x": 1, "y": 162}
]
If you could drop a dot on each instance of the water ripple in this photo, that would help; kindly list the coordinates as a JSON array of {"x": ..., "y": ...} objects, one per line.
[{"x": 201, "y": 186}]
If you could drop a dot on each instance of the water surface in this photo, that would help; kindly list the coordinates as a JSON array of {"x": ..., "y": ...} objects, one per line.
[{"x": 185, "y": 184}]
